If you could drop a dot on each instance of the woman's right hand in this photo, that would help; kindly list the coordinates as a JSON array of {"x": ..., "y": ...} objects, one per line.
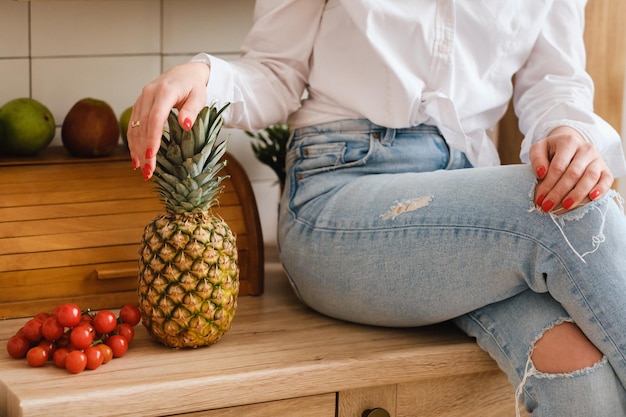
[{"x": 182, "y": 87}]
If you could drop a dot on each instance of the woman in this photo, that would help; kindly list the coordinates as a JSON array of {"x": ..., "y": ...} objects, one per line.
[{"x": 395, "y": 211}]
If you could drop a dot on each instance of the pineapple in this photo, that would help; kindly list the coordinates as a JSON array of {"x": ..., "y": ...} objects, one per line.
[{"x": 188, "y": 266}]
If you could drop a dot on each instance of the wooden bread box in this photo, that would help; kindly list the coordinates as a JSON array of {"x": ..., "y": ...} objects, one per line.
[{"x": 70, "y": 230}]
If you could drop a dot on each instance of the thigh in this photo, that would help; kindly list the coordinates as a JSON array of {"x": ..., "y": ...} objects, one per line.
[
  {"x": 369, "y": 233},
  {"x": 406, "y": 249}
]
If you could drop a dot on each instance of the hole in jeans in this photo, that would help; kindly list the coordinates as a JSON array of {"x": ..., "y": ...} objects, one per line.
[{"x": 560, "y": 351}]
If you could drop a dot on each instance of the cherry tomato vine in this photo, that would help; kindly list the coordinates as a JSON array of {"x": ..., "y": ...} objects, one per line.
[{"x": 73, "y": 339}]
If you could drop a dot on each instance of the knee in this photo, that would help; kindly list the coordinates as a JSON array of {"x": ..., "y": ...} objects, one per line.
[{"x": 564, "y": 348}]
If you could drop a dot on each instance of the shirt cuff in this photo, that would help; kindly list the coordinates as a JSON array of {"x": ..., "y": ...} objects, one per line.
[{"x": 220, "y": 87}]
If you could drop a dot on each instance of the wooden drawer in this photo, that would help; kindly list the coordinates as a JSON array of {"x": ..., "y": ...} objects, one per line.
[
  {"x": 70, "y": 230},
  {"x": 471, "y": 394},
  {"x": 314, "y": 406}
]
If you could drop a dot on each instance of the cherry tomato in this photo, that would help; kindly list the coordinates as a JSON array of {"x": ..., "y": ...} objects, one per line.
[
  {"x": 41, "y": 316},
  {"x": 68, "y": 314},
  {"x": 37, "y": 356},
  {"x": 64, "y": 340},
  {"x": 51, "y": 329},
  {"x": 118, "y": 344},
  {"x": 49, "y": 346},
  {"x": 88, "y": 324},
  {"x": 105, "y": 321},
  {"x": 21, "y": 333},
  {"x": 86, "y": 318},
  {"x": 76, "y": 361},
  {"x": 107, "y": 353},
  {"x": 95, "y": 358},
  {"x": 130, "y": 314},
  {"x": 126, "y": 330},
  {"x": 55, "y": 311},
  {"x": 32, "y": 330},
  {"x": 60, "y": 356},
  {"x": 81, "y": 336},
  {"x": 17, "y": 346}
]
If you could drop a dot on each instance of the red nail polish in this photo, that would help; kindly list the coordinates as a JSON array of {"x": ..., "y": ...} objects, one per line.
[
  {"x": 568, "y": 203},
  {"x": 594, "y": 194},
  {"x": 149, "y": 153},
  {"x": 135, "y": 163},
  {"x": 187, "y": 123},
  {"x": 540, "y": 200},
  {"x": 147, "y": 171},
  {"x": 547, "y": 206},
  {"x": 541, "y": 171}
]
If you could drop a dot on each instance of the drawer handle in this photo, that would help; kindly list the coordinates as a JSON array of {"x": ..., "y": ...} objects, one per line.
[
  {"x": 115, "y": 273},
  {"x": 375, "y": 412}
]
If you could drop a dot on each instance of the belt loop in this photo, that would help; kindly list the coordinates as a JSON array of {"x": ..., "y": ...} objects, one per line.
[{"x": 388, "y": 136}]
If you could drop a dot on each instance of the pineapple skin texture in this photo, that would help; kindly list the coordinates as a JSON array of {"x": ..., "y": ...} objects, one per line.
[{"x": 188, "y": 279}]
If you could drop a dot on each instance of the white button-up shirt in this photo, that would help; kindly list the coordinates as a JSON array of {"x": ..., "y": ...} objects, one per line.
[{"x": 401, "y": 63}]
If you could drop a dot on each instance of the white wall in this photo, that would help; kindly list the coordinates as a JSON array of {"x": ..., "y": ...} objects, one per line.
[{"x": 61, "y": 51}]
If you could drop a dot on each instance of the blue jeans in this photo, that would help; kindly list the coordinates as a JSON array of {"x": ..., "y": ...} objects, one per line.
[{"x": 391, "y": 227}]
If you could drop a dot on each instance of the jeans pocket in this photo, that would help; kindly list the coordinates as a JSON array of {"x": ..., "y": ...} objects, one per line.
[{"x": 326, "y": 153}]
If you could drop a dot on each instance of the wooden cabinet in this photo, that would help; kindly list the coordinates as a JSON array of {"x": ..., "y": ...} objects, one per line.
[
  {"x": 70, "y": 230},
  {"x": 279, "y": 359},
  {"x": 483, "y": 394},
  {"x": 353, "y": 403}
]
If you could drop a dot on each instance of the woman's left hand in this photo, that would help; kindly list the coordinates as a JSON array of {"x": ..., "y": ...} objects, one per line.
[{"x": 570, "y": 170}]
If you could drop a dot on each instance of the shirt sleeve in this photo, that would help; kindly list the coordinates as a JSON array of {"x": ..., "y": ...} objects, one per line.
[
  {"x": 553, "y": 88},
  {"x": 268, "y": 81}
]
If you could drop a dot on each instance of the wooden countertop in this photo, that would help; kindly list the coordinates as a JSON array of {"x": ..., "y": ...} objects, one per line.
[{"x": 276, "y": 349}]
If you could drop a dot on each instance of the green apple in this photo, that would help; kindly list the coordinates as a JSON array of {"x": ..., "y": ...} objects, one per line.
[{"x": 27, "y": 127}]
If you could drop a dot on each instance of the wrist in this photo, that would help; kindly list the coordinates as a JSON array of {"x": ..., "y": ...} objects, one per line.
[
  {"x": 202, "y": 63},
  {"x": 568, "y": 131}
]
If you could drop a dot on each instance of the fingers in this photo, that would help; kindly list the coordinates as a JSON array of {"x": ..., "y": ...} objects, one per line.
[
  {"x": 576, "y": 188},
  {"x": 575, "y": 172},
  {"x": 148, "y": 118},
  {"x": 539, "y": 158},
  {"x": 183, "y": 88},
  {"x": 193, "y": 105},
  {"x": 564, "y": 173}
]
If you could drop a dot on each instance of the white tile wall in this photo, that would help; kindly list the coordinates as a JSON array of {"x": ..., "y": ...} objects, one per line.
[
  {"x": 14, "y": 78},
  {"x": 205, "y": 25},
  {"x": 84, "y": 28},
  {"x": 61, "y": 51},
  {"x": 14, "y": 29}
]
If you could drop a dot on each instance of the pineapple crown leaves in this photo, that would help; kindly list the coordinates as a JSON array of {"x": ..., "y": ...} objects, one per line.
[
  {"x": 188, "y": 163},
  {"x": 270, "y": 148}
]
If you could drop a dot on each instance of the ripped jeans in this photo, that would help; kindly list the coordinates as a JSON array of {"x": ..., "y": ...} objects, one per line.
[{"x": 393, "y": 228}]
